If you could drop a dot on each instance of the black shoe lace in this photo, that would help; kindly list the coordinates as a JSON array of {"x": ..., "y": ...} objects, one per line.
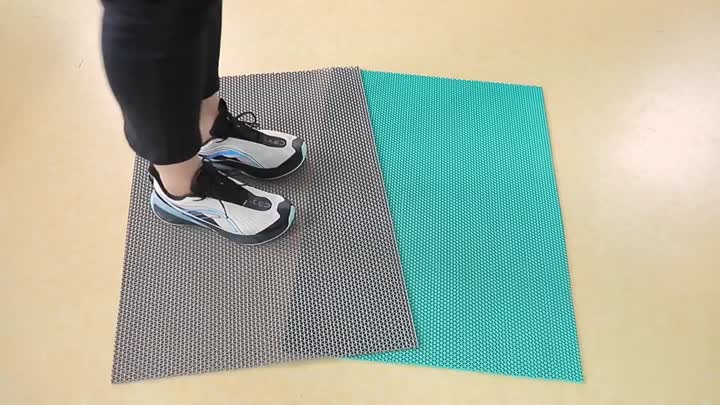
[
  {"x": 211, "y": 183},
  {"x": 240, "y": 119},
  {"x": 243, "y": 126}
]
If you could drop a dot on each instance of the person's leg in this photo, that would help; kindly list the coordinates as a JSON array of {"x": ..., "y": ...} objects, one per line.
[
  {"x": 154, "y": 55},
  {"x": 211, "y": 100},
  {"x": 239, "y": 148}
]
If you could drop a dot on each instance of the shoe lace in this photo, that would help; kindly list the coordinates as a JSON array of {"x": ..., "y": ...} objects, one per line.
[
  {"x": 212, "y": 183},
  {"x": 244, "y": 126},
  {"x": 240, "y": 119}
]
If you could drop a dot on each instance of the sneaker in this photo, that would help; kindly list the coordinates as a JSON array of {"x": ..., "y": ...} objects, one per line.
[
  {"x": 243, "y": 214},
  {"x": 238, "y": 147}
]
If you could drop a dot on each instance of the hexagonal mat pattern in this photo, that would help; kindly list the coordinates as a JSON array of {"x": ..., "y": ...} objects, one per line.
[
  {"x": 469, "y": 174},
  {"x": 193, "y": 302}
]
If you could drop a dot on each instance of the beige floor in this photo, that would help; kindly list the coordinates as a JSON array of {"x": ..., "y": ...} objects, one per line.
[{"x": 633, "y": 92}]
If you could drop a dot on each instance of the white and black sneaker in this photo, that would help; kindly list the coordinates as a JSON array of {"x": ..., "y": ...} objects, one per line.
[
  {"x": 241, "y": 213},
  {"x": 239, "y": 147}
]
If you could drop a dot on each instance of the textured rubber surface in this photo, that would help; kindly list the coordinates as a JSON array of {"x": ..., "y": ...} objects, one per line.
[
  {"x": 194, "y": 302},
  {"x": 469, "y": 175}
]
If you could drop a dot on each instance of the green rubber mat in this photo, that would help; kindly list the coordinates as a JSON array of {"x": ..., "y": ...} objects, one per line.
[{"x": 469, "y": 176}]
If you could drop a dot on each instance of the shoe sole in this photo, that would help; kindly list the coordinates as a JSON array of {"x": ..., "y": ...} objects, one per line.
[{"x": 172, "y": 216}]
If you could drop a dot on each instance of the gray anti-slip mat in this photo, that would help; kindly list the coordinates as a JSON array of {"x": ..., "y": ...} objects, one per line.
[{"x": 193, "y": 302}]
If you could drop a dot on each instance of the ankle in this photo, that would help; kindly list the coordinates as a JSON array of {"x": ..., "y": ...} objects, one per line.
[
  {"x": 177, "y": 178},
  {"x": 208, "y": 114}
]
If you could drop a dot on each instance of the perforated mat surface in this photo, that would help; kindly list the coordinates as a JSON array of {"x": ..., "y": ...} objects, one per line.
[
  {"x": 192, "y": 302},
  {"x": 469, "y": 175}
]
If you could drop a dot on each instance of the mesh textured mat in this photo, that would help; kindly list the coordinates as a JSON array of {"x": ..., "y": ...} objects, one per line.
[
  {"x": 469, "y": 176},
  {"x": 192, "y": 302}
]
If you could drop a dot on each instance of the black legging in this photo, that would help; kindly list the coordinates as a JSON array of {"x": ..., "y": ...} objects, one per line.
[{"x": 161, "y": 59}]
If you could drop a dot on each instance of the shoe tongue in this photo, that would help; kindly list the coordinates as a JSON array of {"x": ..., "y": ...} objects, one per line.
[
  {"x": 222, "y": 106},
  {"x": 227, "y": 126},
  {"x": 223, "y": 126},
  {"x": 202, "y": 179}
]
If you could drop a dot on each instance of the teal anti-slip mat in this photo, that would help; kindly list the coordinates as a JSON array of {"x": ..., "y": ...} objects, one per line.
[{"x": 469, "y": 176}]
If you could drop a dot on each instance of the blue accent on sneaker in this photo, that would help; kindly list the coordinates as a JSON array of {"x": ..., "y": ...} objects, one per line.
[{"x": 231, "y": 153}]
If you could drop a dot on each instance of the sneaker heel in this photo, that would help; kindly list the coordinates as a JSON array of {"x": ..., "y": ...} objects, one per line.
[{"x": 164, "y": 212}]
